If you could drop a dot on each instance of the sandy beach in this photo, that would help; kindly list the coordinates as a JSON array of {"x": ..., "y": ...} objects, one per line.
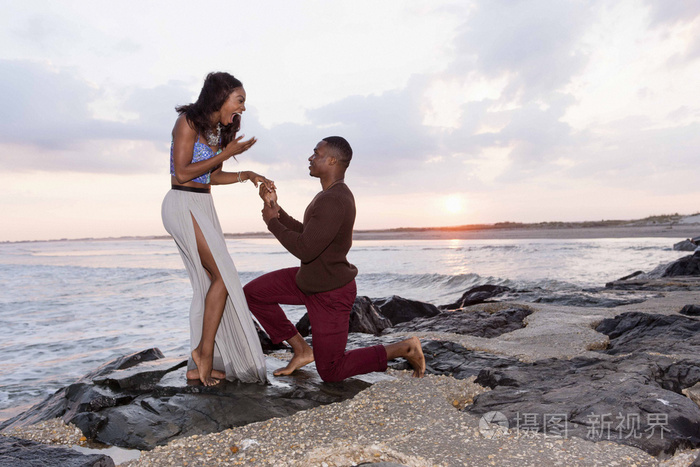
[{"x": 418, "y": 422}]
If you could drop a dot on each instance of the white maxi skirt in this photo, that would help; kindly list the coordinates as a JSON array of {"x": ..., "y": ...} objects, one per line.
[{"x": 237, "y": 349}]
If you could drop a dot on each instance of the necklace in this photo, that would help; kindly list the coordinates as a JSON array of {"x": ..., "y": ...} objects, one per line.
[{"x": 214, "y": 139}]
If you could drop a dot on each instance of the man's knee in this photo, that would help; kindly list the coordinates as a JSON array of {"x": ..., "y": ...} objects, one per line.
[
  {"x": 250, "y": 290},
  {"x": 329, "y": 374},
  {"x": 247, "y": 291}
]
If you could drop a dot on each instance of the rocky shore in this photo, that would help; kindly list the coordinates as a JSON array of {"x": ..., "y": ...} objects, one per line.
[{"x": 609, "y": 376}]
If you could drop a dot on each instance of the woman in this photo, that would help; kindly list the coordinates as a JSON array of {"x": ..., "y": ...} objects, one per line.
[{"x": 223, "y": 338}]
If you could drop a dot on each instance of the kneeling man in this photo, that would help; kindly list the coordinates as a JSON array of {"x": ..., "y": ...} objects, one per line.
[{"x": 325, "y": 280}]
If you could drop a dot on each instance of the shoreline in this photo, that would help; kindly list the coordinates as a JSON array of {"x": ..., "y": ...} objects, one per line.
[
  {"x": 568, "y": 231},
  {"x": 681, "y": 232},
  {"x": 421, "y": 422}
]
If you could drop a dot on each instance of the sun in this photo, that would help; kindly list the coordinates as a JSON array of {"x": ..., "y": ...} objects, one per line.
[{"x": 453, "y": 204}]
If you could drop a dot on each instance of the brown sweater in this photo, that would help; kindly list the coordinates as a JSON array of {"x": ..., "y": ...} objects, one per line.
[{"x": 322, "y": 241}]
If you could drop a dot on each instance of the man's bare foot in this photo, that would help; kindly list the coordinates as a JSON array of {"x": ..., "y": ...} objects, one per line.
[
  {"x": 415, "y": 357},
  {"x": 194, "y": 374},
  {"x": 297, "y": 361},
  {"x": 303, "y": 355},
  {"x": 411, "y": 350},
  {"x": 204, "y": 365}
]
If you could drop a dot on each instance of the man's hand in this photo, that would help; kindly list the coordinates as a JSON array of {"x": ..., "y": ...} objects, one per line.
[
  {"x": 267, "y": 195},
  {"x": 270, "y": 212}
]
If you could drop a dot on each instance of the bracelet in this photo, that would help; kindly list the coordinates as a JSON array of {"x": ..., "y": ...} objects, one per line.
[{"x": 239, "y": 178}]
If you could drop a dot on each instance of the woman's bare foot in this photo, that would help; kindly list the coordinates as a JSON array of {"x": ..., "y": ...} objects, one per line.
[
  {"x": 194, "y": 374},
  {"x": 204, "y": 365},
  {"x": 411, "y": 350},
  {"x": 303, "y": 355}
]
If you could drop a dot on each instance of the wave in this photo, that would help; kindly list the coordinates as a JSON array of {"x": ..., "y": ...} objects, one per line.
[{"x": 421, "y": 286}]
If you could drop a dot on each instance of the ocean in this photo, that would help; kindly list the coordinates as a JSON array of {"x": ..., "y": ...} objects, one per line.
[{"x": 67, "y": 307}]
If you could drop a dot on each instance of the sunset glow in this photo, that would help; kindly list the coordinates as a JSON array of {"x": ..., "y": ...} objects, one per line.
[
  {"x": 541, "y": 111},
  {"x": 453, "y": 204}
]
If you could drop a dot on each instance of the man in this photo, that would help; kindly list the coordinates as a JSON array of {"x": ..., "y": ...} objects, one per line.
[{"x": 325, "y": 281}]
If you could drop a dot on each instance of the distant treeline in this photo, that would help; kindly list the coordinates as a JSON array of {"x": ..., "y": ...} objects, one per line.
[{"x": 664, "y": 219}]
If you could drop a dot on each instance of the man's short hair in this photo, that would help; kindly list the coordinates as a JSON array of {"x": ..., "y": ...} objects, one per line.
[{"x": 341, "y": 148}]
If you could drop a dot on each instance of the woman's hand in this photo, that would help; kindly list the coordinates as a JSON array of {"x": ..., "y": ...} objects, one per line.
[
  {"x": 268, "y": 196},
  {"x": 238, "y": 146},
  {"x": 256, "y": 178}
]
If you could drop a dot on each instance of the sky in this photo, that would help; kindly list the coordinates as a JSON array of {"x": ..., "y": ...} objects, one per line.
[{"x": 458, "y": 112}]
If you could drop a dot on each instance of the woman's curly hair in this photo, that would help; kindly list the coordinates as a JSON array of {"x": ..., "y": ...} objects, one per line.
[{"x": 217, "y": 87}]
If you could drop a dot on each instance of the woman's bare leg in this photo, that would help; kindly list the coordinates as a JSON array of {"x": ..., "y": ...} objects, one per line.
[{"x": 214, "y": 303}]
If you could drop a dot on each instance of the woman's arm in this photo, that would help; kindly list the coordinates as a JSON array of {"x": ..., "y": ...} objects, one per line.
[
  {"x": 219, "y": 177},
  {"x": 184, "y": 137}
]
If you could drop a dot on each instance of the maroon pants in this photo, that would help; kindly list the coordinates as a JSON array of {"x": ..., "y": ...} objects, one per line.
[{"x": 329, "y": 314}]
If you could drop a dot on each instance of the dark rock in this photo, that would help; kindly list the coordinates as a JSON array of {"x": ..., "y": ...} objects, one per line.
[
  {"x": 441, "y": 357},
  {"x": 399, "y": 310},
  {"x": 591, "y": 297},
  {"x": 304, "y": 325},
  {"x": 630, "y": 276},
  {"x": 83, "y": 395},
  {"x": 634, "y": 399},
  {"x": 475, "y": 323},
  {"x": 450, "y": 358},
  {"x": 641, "y": 332},
  {"x": 685, "y": 245},
  {"x": 365, "y": 317},
  {"x": 586, "y": 300},
  {"x": 127, "y": 361},
  {"x": 266, "y": 343},
  {"x": 476, "y": 295},
  {"x": 143, "y": 377},
  {"x": 647, "y": 283},
  {"x": 617, "y": 400},
  {"x": 690, "y": 310},
  {"x": 686, "y": 266},
  {"x": 152, "y": 403},
  {"x": 17, "y": 452}
]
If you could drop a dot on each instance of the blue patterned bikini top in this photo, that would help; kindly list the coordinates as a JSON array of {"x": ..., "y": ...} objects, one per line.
[{"x": 201, "y": 152}]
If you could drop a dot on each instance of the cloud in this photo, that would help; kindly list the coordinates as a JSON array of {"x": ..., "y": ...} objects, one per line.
[
  {"x": 155, "y": 108},
  {"x": 385, "y": 131},
  {"x": 533, "y": 43},
  {"x": 47, "y": 117},
  {"x": 46, "y": 108},
  {"x": 534, "y": 49},
  {"x": 664, "y": 12}
]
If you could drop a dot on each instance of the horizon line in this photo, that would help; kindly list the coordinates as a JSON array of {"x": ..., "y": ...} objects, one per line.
[{"x": 659, "y": 220}]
